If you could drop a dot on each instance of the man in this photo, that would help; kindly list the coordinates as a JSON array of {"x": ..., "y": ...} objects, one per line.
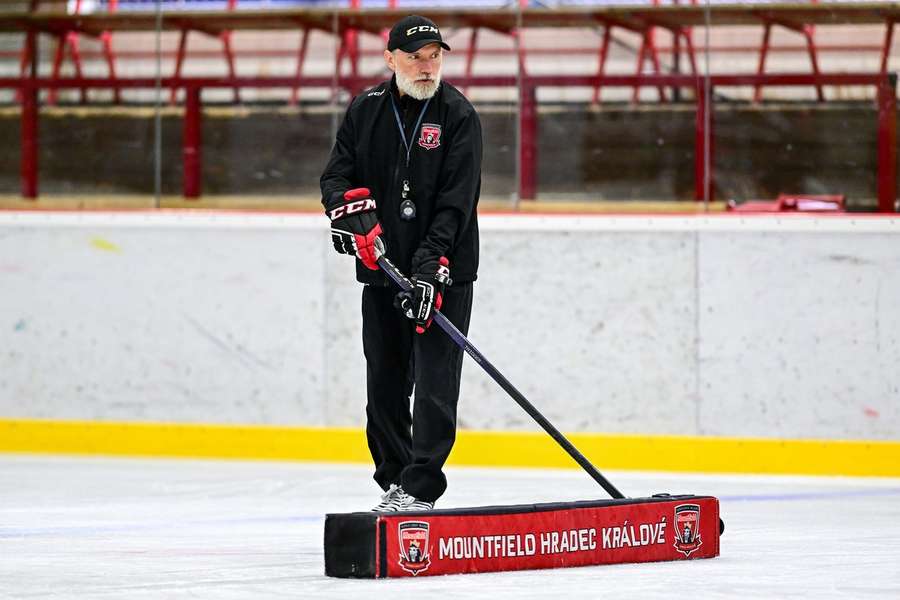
[{"x": 405, "y": 171}]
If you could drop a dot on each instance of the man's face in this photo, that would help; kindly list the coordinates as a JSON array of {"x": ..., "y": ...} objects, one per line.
[{"x": 418, "y": 73}]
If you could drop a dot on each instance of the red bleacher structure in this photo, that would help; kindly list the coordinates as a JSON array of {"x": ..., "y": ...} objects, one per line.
[{"x": 347, "y": 24}]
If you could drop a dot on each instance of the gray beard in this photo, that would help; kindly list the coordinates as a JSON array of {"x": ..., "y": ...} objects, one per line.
[{"x": 418, "y": 90}]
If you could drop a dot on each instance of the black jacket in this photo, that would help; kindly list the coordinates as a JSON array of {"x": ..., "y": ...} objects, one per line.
[{"x": 444, "y": 176}]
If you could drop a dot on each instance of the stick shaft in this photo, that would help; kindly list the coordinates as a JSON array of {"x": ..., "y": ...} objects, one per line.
[{"x": 456, "y": 335}]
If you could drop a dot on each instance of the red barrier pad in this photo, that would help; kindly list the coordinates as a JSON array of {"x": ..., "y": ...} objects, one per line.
[
  {"x": 531, "y": 536},
  {"x": 812, "y": 203}
]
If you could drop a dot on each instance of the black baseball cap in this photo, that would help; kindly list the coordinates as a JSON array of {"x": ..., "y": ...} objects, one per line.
[{"x": 412, "y": 32}]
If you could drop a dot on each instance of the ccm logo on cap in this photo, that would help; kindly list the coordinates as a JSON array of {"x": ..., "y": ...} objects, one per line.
[{"x": 421, "y": 28}]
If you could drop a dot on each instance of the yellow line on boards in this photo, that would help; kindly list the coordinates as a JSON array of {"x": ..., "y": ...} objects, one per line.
[
  {"x": 684, "y": 453},
  {"x": 473, "y": 448},
  {"x": 184, "y": 440}
]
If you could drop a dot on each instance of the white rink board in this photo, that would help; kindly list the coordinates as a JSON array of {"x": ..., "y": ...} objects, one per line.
[{"x": 738, "y": 326}]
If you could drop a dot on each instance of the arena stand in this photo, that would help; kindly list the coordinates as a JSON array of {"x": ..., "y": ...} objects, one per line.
[{"x": 524, "y": 60}]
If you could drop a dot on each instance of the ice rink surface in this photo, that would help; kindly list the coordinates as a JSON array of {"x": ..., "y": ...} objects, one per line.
[{"x": 130, "y": 528}]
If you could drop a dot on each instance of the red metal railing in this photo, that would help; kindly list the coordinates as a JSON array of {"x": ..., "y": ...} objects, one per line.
[
  {"x": 527, "y": 86},
  {"x": 138, "y": 54},
  {"x": 644, "y": 23}
]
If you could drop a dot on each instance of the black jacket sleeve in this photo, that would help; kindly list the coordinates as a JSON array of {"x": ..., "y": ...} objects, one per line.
[
  {"x": 338, "y": 176},
  {"x": 457, "y": 193}
]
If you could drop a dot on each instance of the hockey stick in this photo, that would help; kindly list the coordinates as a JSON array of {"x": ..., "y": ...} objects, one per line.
[{"x": 456, "y": 335}]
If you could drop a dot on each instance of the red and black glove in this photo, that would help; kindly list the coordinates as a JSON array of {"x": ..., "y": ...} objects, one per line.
[
  {"x": 427, "y": 293},
  {"x": 354, "y": 225}
]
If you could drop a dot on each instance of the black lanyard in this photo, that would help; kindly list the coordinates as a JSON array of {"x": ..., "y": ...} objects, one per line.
[{"x": 407, "y": 145}]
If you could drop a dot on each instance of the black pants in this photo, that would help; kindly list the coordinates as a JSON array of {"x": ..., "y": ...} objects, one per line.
[{"x": 410, "y": 450}]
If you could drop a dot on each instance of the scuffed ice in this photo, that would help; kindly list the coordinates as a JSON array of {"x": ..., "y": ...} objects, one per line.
[{"x": 123, "y": 528}]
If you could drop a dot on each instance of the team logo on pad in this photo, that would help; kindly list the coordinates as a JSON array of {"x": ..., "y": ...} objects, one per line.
[
  {"x": 687, "y": 528},
  {"x": 430, "y": 136},
  {"x": 413, "y": 538}
]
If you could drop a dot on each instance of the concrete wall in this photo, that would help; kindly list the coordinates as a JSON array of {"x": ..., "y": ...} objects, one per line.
[
  {"x": 619, "y": 152},
  {"x": 773, "y": 327}
]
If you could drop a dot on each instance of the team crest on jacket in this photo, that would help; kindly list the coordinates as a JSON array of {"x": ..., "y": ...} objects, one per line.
[
  {"x": 430, "y": 136},
  {"x": 413, "y": 538},
  {"x": 687, "y": 528}
]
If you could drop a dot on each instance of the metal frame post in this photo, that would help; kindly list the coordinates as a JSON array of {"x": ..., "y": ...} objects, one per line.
[
  {"x": 192, "y": 143},
  {"x": 763, "y": 53},
  {"x": 601, "y": 60},
  {"x": 887, "y": 144},
  {"x": 703, "y": 145},
  {"x": 470, "y": 56},
  {"x": 28, "y": 57},
  {"x": 179, "y": 60},
  {"x": 301, "y": 58},
  {"x": 648, "y": 52},
  {"x": 349, "y": 48},
  {"x": 29, "y": 132},
  {"x": 227, "y": 52},
  {"x": 888, "y": 40},
  {"x": 807, "y": 31},
  {"x": 225, "y": 37},
  {"x": 67, "y": 39},
  {"x": 108, "y": 53},
  {"x": 528, "y": 142}
]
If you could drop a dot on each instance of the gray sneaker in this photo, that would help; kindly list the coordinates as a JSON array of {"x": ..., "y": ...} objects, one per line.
[
  {"x": 388, "y": 500},
  {"x": 404, "y": 502}
]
